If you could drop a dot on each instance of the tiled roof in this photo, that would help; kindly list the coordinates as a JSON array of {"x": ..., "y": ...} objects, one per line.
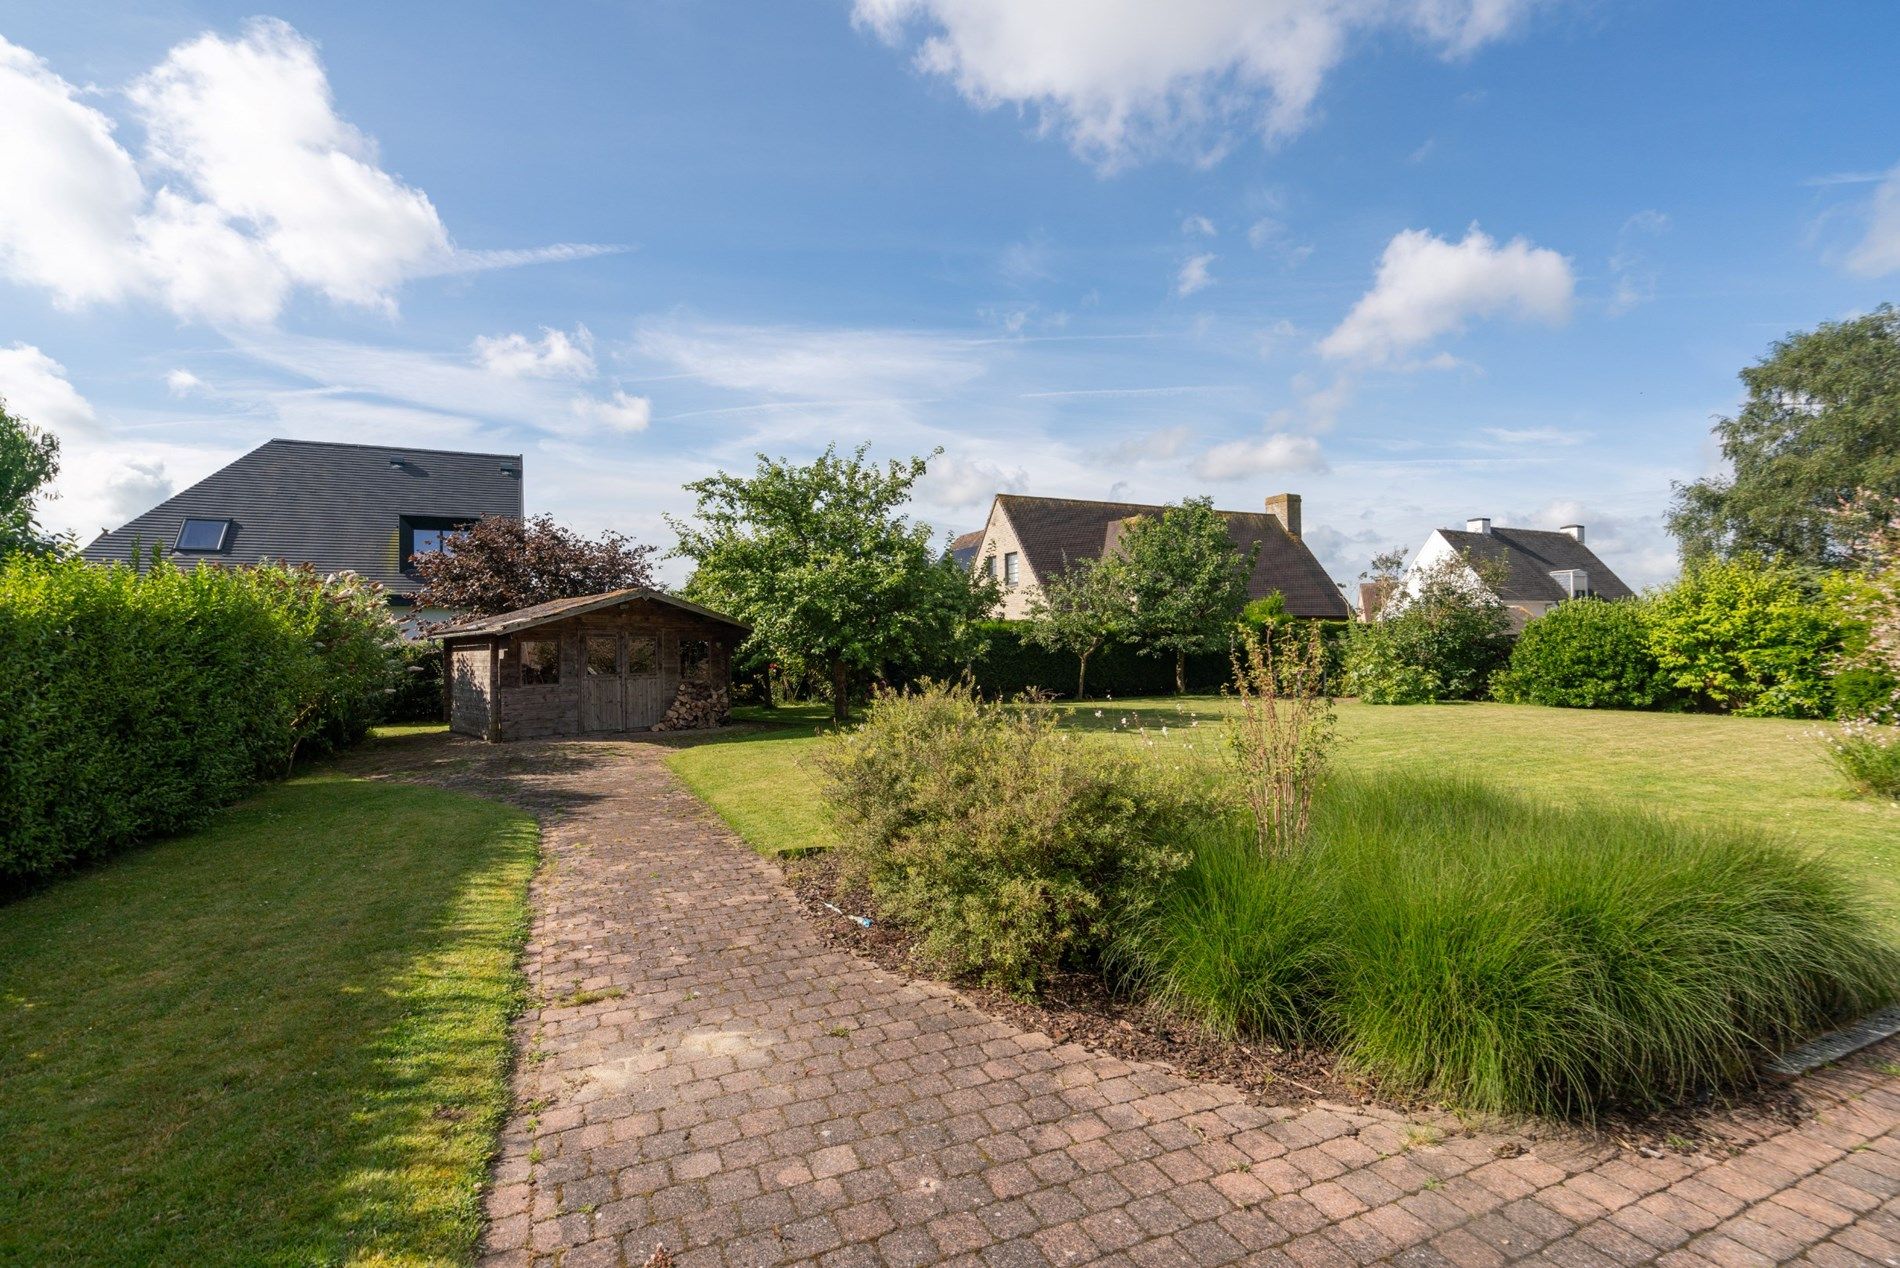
[
  {"x": 1056, "y": 532},
  {"x": 963, "y": 549},
  {"x": 1530, "y": 555},
  {"x": 558, "y": 609},
  {"x": 338, "y": 507}
]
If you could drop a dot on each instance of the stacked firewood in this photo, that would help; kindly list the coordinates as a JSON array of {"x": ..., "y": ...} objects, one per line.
[{"x": 697, "y": 704}]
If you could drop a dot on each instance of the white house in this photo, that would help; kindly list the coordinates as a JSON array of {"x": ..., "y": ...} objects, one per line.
[{"x": 1540, "y": 568}]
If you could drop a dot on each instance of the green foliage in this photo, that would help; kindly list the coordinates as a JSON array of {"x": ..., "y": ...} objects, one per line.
[
  {"x": 1861, "y": 693},
  {"x": 1442, "y": 642},
  {"x": 1585, "y": 654},
  {"x": 1867, "y": 752},
  {"x": 29, "y": 459},
  {"x": 501, "y": 564},
  {"x": 1463, "y": 943},
  {"x": 829, "y": 573},
  {"x": 1008, "y": 663},
  {"x": 137, "y": 703},
  {"x": 1186, "y": 581},
  {"x": 1818, "y": 425},
  {"x": 1261, "y": 615},
  {"x": 1078, "y": 611},
  {"x": 1749, "y": 637},
  {"x": 1009, "y": 847},
  {"x": 416, "y": 695}
]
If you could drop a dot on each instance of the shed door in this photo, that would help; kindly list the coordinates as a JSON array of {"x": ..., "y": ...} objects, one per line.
[
  {"x": 602, "y": 688},
  {"x": 647, "y": 694}
]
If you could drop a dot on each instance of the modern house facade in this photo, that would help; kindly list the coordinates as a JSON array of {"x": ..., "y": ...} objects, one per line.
[
  {"x": 1027, "y": 541},
  {"x": 368, "y": 509},
  {"x": 1539, "y": 568}
]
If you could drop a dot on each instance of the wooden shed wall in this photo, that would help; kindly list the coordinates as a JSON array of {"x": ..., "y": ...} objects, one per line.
[{"x": 471, "y": 687}]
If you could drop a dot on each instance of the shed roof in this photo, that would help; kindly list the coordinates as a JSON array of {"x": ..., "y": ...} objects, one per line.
[
  {"x": 560, "y": 609},
  {"x": 1530, "y": 555},
  {"x": 1057, "y": 532}
]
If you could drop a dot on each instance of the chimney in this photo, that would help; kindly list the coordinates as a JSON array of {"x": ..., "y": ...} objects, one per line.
[
  {"x": 1575, "y": 530},
  {"x": 1285, "y": 507},
  {"x": 1481, "y": 524}
]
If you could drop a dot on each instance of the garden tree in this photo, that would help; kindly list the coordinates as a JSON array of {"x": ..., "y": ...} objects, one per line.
[
  {"x": 1440, "y": 641},
  {"x": 500, "y": 563},
  {"x": 1079, "y": 610},
  {"x": 1386, "y": 570},
  {"x": 29, "y": 459},
  {"x": 820, "y": 561},
  {"x": 1186, "y": 580},
  {"x": 1822, "y": 420},
  {"x": 1868, "y": 593},
  {"x": 1747, "y": 636}
]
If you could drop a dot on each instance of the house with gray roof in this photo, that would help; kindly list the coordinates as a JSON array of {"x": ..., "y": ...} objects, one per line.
[
  {"x": 368, "y": 509},
  {"x": 1029, "y": 540},
  {"x": 1540, "y": 568}
]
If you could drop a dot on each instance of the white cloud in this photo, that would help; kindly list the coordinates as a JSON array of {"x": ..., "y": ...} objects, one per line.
[
  {"x": 182, "y": 382},
  {"x": 1122, "y": 79},
  {"x": 1532, "y": 436},
  {"x": 1427, "y": 287},
  {"x": 555, "y": 355},
  {"x": 1268, "y": 234},
  {"x": 35, "y": 388},
  {"x": 1194, "y": 275},
  {"x": 248, "y": 186},
  {"x": 1878, "y": 252},
  {"x": 1630, "y": 268},
  {"x": 812, "y": 364},
  {"x": 1160, "y": 445},
  {"x": 1281, "y": 451},
  {"x": 617, "y": 413},
  {"x": 1198, "y": 226},
  {"x": 136, "y": 488},
  {"x": 954, "y": 483}
]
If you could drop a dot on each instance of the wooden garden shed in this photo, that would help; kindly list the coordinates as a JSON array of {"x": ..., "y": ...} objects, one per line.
[{"x": 626, "y": 660}]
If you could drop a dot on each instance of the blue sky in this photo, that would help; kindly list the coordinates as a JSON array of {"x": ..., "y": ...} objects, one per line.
[{"x": 1413, "y": 259}]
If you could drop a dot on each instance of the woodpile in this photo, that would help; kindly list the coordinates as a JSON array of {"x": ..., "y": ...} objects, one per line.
[{"x": 698, "y": 704}]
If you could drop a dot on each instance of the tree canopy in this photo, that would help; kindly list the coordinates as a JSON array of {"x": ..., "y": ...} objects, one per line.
[
  {"x": 1079, "y": 610},
  {"x": 1822, "y": 421},
  {"x": 29, "y": 459},
  {"x": 821, "y": 561},
  {"x": 1186, "y": 579},
  {"x": 500, "y": 564}
]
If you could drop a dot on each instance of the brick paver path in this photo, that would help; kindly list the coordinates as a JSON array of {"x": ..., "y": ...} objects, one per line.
[{"x": 748, "y": 1096}]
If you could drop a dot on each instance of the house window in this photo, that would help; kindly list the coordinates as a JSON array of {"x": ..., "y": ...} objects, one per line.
[
  {"x": 204, "y": 536},
  {"x": 603, "y": 655},
  {"x": 1012, "y": 568},
  {"x": 643, "y": 655},
  {"x": 540, "y": 661},
  {"x": 695, "y": 654},
  {"x": 425, "y": 534},
  {"x": 989, "y": 566}
]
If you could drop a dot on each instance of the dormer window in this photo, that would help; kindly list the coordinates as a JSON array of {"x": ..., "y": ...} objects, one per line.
[
  {"x": 202, "y": 537},
  {"x": 424, "y": 534},
  {"x": 1574, "y": 581}
]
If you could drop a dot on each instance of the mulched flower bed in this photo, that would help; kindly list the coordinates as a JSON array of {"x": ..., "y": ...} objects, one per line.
[{"x": 1079, "y": 1008}]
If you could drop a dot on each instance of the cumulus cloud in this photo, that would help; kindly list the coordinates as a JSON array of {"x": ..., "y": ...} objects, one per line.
[
  {"x": 136, "y": 488},
  {"x": 555, "y": 355},
  {"x": 954, "y": 483},
  {"x": 1280, "y": 451},
  {"x": 1878, "y": 252},
  {"x": 1194, "y": 275},
  {"x": 248, "y": 186},
  {"x": 1427, "y": 287},
  {"x": 1122, "y": 79},
  {"x": 35, "y": 388},
  {"x": 617, "y": 413}
]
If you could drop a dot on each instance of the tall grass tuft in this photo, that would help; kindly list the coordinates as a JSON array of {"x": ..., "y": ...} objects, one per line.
[{"x": 1458, "y": 942}]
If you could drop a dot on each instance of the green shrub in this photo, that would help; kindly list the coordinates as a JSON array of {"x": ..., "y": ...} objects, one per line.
[
  {"x": 1508, "y": 955},
  {"x": 416, "y": 694},
  {"x": 1010, "y": 664},
  {"x": 1007, "y": 845},
  {"x": 1862, "y": 693},
  {"x": 1867, "y": 753},
  {"x": 1442, "y": 641},
  {"x": 137, "y": 703},
  {"x": 1587, "y": 654},
  {"x": 1748, "y": 637}
]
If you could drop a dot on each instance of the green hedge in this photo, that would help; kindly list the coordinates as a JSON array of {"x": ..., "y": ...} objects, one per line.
[
  {"x": 416, "y": 694},
  {"x": 135, "y": 704},
  {"x": 1011, "y": 665}
]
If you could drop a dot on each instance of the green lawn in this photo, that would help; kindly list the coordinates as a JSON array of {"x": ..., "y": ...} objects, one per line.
[
  {"x": 282, "y": 1039},
  {"x": 1758, "y": 771}
]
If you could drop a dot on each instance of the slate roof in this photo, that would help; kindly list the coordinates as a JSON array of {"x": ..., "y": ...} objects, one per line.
[
  {"x": 963, "y": 549},
  {"x": 1530, "y": 555},
  {"x": 559, "y": 609},
  {"x": 335, "y": 506},
  {"x": 1056, "y": 532}
]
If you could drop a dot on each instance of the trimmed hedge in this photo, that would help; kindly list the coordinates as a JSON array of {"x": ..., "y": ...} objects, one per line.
[
  {"x": 1011, "y": 665},
  {"x": 1587, "y": 654},
  {"x": 135, "y": 704}
]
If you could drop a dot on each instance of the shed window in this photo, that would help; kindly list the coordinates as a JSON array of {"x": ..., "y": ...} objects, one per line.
[
  {"x": 603, "y": 655},
  {"x": 540, "y": 661},
  {"x": 695, "y": 653},
  {"x": 643, "y": 655},
  {"x": 202, "y": 535},
  {"x": 1012, "y": 568}
]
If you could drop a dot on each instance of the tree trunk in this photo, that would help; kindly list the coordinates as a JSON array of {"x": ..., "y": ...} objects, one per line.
[
  {"x": 840, "y": 702},
  {"x": 1082, "y": 678},
  {"x": 1180, "y": 671}
]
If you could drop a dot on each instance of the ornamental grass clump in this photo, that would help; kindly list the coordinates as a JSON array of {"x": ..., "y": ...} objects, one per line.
[
  {"x": 1009, "y": 847},
  {"x": 1505, "y": 954},
  {"x": 1282, "y": 738},
  {"x": 1867, "y": 753}
]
